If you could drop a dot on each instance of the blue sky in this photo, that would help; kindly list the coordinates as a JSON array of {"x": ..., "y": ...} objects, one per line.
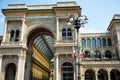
[{"x": 99, "y": 12}]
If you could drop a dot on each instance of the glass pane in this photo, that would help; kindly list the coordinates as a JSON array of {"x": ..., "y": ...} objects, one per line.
[
  {"x": 87, "y": 54},
  {"x": 69, "y": 34},
  {"x": 109, "y": 42},
  {"x": 93, "y": 42},
  {"x": 64, "y": 37},
  {"x": 83, "y": 43},
  {"x": 12, "y": 35},
  {"x": 97, "y": 54},
  {"x": 104, "y": 41},
  {"x": 88, "y": 42},
  {"x": 98, "y": 42}
]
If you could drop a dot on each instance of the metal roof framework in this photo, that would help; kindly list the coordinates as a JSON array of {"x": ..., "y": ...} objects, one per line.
[{"x": 45, "y": 44}]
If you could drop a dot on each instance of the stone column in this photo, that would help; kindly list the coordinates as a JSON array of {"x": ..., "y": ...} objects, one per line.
[
  {"x": 5, "y": 27},
  {"x": 96, "y": 75},
  {"x": 56, "y": 67},
  {"x": 101, "y": 42},
  {"x": 109, "y": 75},
  {"x": 86, "y": 42},
  {"x": 1, "y": 74},
  {"x": 82, "y": 77},
  {"x": 21, "y": 66},
  {"x": 57, "y": 29},
  {"x": 106, "y": 42}
]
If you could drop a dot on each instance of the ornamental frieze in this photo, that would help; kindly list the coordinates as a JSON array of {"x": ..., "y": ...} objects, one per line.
[
  {"x": 64, "y": 50},
  {"x": 8, "y": 51},
  {"x": 99, "y": 66}
]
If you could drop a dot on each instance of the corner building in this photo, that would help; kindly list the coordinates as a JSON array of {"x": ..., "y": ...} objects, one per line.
[{"x": 37, "y": 45}]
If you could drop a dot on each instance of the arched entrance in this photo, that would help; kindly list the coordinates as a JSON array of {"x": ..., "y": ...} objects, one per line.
[
  {"x": 102, "y": 75},
  {"x": 89, "y": 75},
  {"x": 10, "y": 71},
  {"x": 40, "y": 43},
  {"x": 67, "y": 71},
  {"x": 115, "y": 74}
]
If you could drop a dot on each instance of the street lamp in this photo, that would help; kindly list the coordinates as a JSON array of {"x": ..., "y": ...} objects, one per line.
[{"x": 78, "y": 22}]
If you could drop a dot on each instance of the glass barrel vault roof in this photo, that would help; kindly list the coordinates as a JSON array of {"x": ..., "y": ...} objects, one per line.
[{"x": 45, "y": 44}]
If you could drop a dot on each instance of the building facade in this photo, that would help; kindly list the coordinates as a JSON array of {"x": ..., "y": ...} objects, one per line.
[{"x": 37, "y": 45}]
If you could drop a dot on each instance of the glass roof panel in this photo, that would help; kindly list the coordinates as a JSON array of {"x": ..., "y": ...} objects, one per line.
[{"x": 45, "y": 44}]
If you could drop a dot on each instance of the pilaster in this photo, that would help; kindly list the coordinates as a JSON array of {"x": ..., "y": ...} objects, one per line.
[
  {"x": 1, "y": 74},
  {"x": 5, "y": 27},
  {"x": 22, "y": 30},
  {"x": 56, "y": 67},
  {"x": 57, "y": 29},
  {"x": 21, "y": 66}
]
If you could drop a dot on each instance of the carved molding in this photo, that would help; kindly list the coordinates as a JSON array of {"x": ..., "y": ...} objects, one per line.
[
  {"x": 64, "y": 50},
  {"x": 10, "y": 51}
]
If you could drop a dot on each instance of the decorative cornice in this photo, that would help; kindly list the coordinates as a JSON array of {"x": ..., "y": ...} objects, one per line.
[
  {"x": 116, "y": 19},
  {"x": 52, "y": 11}
]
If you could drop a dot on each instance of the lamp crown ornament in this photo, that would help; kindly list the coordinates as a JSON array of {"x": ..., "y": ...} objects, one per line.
[{"x": 78, "y": 22}]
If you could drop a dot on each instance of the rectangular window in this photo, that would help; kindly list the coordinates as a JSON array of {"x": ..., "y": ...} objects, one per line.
[
  {"x": 17, "y": 36},
  {"x": 12, "y": 36}
]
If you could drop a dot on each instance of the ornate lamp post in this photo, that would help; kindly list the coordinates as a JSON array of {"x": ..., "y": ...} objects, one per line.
[{"x": 78, "y": 22}]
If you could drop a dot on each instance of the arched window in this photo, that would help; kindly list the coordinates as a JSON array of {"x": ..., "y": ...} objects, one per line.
[
  {"x": 87, "y": 54},
  {"x": 69, "y": 34},
  {"x": 102, "y": 75},
  {"x": 109, "y": 42},
  {"x": 89, "y": 75},
  {"x": 10, "y": 72},
  {"x": 114, "y": 74},
  {"x": 98, "y": 42},
  {"x": 108, "y": 54},
  {"x": 64, "y": 36},
  {"x": 93, "y": 42},
  {"x": 88, "y": 43},
  {"x": 67, "y": 71},
  {"x": 97, "y": 54},
  {"x": 12, "y": 35},
  {"x": 104, "y": 41},
  {"x": 83, "y": 43}
]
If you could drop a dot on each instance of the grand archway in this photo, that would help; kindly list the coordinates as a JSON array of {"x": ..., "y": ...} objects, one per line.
[{"x": 40, "y": 43}]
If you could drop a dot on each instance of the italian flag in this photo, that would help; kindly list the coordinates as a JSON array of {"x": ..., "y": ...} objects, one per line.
[
  {"x": 82, "y": 52},
  {"x": 74, "y": 52}
]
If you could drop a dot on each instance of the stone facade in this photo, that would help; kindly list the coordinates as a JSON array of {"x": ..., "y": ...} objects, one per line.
[{"x": 24, "y": 23}]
